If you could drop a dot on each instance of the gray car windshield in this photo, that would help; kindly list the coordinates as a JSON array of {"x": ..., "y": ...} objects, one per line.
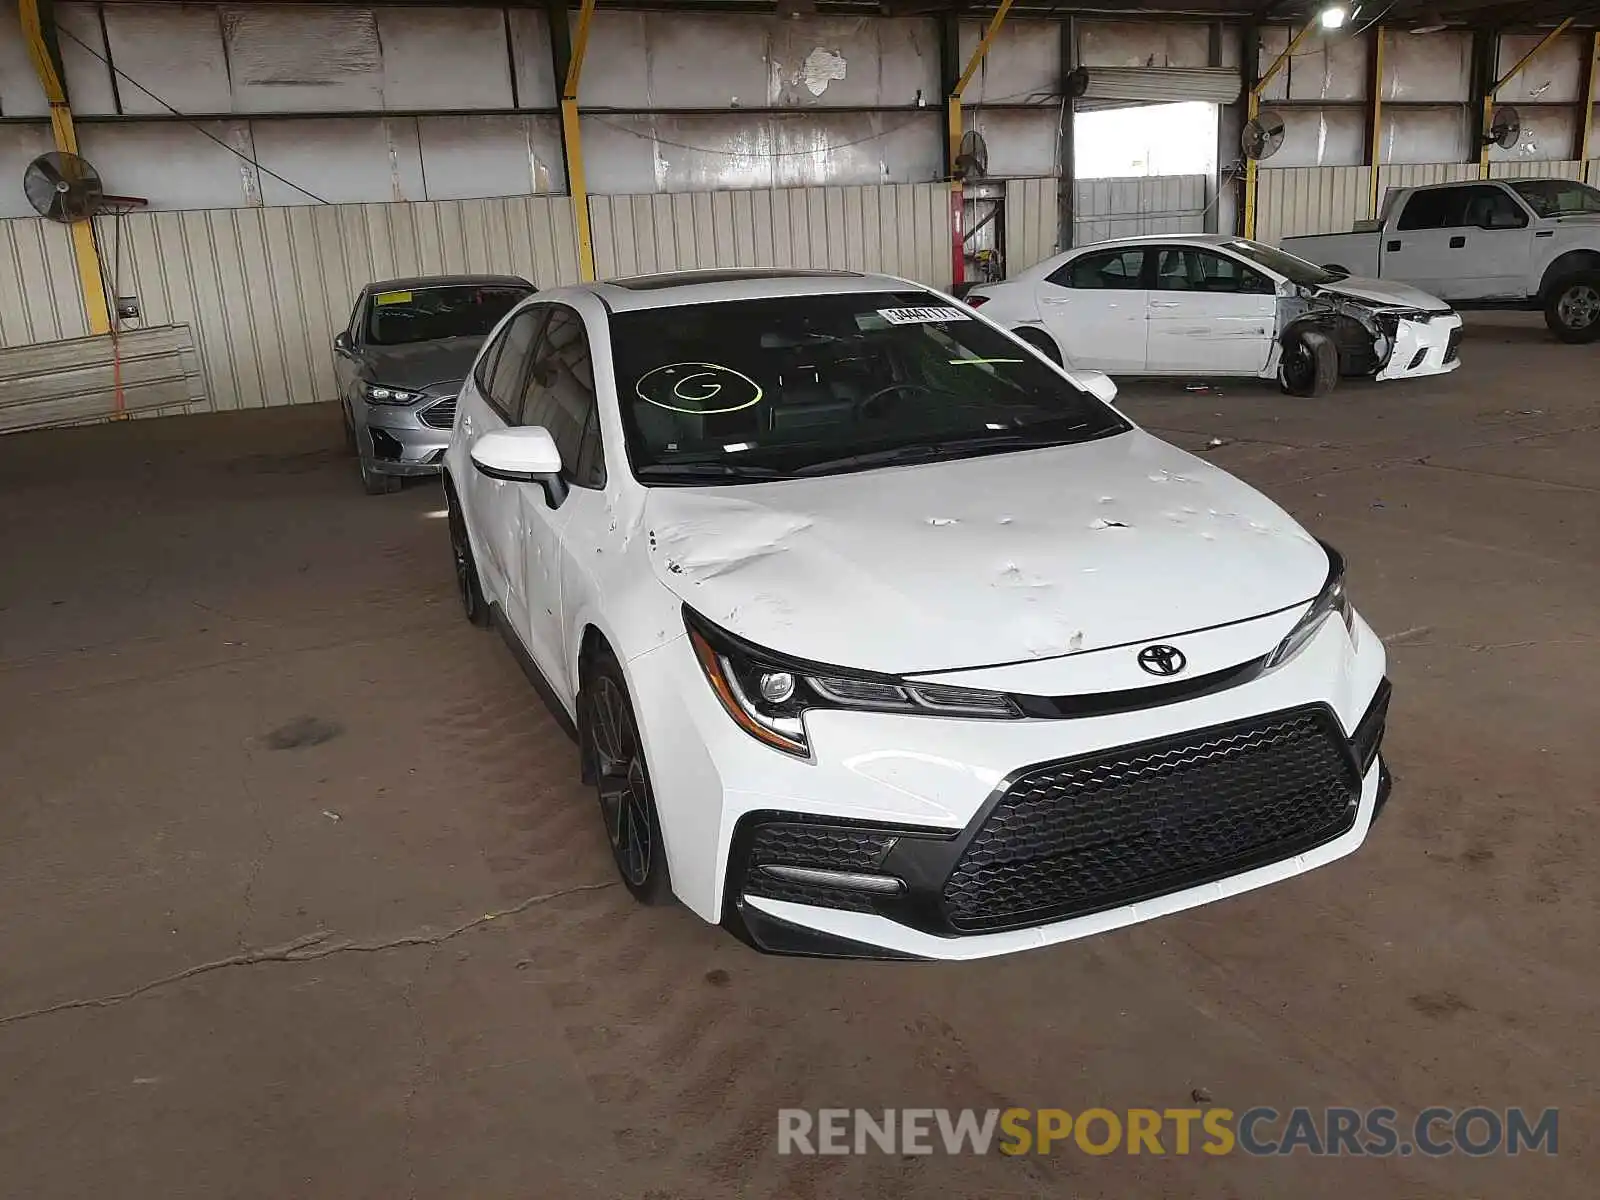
[
  {"x": 431, "y": 314},
  {"x": 1296, "y": 270},
  {"x": 1557, "y": 197},
  {"x": 792, "y": 386}
]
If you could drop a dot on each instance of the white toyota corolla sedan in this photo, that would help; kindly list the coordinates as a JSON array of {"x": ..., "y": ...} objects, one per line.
[
  {"x": 1218, "y": 305},
  {"x": 882, "y": 635}
]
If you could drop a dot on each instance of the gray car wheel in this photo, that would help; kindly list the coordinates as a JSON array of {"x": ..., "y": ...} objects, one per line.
[{"x": 1573, "y": 309}]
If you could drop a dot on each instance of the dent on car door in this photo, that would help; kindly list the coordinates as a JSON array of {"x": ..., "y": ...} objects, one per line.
[
  {"x": 559, "y": 397},
  {"x": 1209, "y": 313},
  {"x": 1094, "y": 305},
  {"x": 493, "y": 405}
]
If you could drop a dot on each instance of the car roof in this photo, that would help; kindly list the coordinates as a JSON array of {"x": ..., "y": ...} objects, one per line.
[
  {"x": 427, "y": 281},
  {"x": 713, "y": 286},
  {"x": 1180, "y": 239}
]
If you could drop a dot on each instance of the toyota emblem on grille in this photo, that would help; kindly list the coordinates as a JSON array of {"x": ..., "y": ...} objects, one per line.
[{"x": 1162, "y": 660}]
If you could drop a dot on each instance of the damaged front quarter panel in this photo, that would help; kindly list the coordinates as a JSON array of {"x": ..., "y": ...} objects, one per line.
[{"x": 1364, "y": 334}]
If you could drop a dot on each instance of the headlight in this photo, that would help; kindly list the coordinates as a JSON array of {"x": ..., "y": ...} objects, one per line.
[
  {"x": 1332, "y": 599},
  {"x": 768, "y": 695},
  {"x": 379, "y": 394}
]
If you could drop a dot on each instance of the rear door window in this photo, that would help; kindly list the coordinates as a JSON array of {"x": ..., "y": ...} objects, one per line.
[
  {"x": 1108, "y": 270},
  {"x": 1437, "y": 208}
]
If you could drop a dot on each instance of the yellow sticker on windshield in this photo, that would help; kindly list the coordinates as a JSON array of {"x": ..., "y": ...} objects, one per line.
[{"x": 394, "y": 298}]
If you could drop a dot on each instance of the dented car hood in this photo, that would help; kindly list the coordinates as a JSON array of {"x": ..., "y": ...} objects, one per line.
[
  {"x": 980, "y": 561},
  {"x": 1385, "y": 293}
]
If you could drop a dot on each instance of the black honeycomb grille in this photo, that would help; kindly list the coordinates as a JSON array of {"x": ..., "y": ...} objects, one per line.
[
  {"x": 1452, "y": 346},
  {"x": 834, "y": 847},
  {"x": 1108, "y": 829}
]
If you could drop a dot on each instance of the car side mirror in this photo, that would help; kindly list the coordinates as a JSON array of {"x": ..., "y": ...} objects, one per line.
[
  {"x": 341, "y": 342},
  {"x": 524, "y": 454},
  {"x": 1098, "y": 384}
]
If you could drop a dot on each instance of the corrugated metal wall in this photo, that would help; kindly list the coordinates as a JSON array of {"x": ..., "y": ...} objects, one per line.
[
  {"x": 1033, "y": 217},
  {"x": 266, "y": 289},
  {"x": 39, "y": 297},
  {"x": 901, "y": 229},
  {"x": 1300, "y": 200},
  {"x": 1112, "y": 208},
  {"x": 1524, "y": 169}
]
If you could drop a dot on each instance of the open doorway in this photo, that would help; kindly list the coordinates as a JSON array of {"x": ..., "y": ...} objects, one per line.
[{"x": 1146, "y": 139}]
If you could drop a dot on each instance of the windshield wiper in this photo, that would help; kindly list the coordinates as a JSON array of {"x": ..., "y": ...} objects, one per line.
[
  {"x": 709, "y": 470},
  {"x": 934, "y": 451}
]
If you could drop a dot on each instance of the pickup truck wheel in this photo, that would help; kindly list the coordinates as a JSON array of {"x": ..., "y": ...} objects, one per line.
[
  {"x": 1309, "y": 365},
  {"x": 1572, "y": 310}
]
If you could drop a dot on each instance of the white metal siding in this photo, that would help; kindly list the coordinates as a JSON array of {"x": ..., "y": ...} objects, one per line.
[
  {"x": 1112, "y": 208},
  {"x": 39, "y": 299},
  {"x": 1298, "y": 200},
  {"x": 901, "y": 229},
  {"x": 1033, "y": 219},
  {"x": 1533, "y": 169},
  {"x": 266, "y": 289}
]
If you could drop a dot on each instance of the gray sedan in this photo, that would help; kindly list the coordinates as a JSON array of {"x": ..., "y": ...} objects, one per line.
[{"x": 400, "y": 363}]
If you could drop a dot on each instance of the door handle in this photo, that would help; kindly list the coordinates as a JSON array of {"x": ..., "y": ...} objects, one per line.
[
  {"x": 1457, "y": 242},
  {"x": 1163, "y": 304},
  {"x": 1394, "y": 245}
]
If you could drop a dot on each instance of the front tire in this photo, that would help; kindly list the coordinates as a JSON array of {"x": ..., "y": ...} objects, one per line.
[
  {"x": 614, "y": 758},
  {"x": 1572, "y": 310},
  {"x": 1309, "y": 364},
  {"x": 473, "y": 605}
]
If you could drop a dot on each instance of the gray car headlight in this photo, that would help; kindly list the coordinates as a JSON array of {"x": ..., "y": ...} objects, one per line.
[
  {"x": 380, "y": 394},
  {"x": 1332, "y": 599},
  {"x": 767, "y": 694}
]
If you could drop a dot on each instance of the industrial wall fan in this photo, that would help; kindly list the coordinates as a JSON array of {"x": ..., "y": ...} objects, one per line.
[
  {"x": 972, "y": 159},
  {"x": 1505, "y": 128},
  {"x": 1262, "y": 136},
  {"x": 63, "y": 187}
]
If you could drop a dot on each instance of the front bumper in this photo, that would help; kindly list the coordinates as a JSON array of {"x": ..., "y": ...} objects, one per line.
[
  {"x": 406, "y": 439},
  {"x": 1424, "y": 348},
  {"x": 906, "y": 798}
]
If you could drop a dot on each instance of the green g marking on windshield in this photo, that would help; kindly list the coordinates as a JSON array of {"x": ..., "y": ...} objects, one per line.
[{"x": 698, "y": 389}]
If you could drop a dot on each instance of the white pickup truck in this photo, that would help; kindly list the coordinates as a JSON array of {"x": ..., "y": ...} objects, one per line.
[{"x": 1515, "y": 243}]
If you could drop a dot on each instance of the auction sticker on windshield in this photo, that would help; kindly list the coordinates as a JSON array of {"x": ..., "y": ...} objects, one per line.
[{"x": 922, "y": 316}]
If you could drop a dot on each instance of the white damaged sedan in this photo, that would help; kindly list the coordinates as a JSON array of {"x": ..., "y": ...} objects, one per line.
[
  {"x": 883, "y": 636},
  {"x": 1213, "y": 305}
]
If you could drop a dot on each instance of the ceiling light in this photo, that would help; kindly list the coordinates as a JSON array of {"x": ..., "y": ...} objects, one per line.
[{"x": 1333, "y": 17}]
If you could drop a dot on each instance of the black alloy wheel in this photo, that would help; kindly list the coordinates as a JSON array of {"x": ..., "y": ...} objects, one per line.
[
  {"x": 627, "y": 805},
  {"x": 473, "y": 606}
]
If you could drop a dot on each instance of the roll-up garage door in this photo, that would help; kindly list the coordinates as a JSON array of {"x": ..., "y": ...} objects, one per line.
[{"x": 1157, "y": 85}]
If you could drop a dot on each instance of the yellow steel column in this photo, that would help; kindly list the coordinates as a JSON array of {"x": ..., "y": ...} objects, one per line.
[
  {"x": 1489, "y": 96},
  {"x": 1591, "y": 98},
  {"x": 90, "y": 281},
  {"x": 953, "y": 129},
  {"x": 1375, "y": 159},
  {"x": 573, "y": 143},
  {"x": 1252, "y": 111}
]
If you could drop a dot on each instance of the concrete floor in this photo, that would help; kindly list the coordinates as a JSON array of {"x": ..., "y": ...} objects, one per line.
[{"x": 299, "y": 895}]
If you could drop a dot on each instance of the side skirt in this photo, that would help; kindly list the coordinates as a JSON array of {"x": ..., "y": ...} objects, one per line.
[{"x": 532, "y": 671}]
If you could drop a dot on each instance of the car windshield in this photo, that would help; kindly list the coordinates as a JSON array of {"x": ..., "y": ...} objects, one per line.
[
  {"x": 811, "y": 385},
  {"x": 431, "y": 314},
  {"x": 1557, "y": 197},
  {"x": 1296, "y": 270}
]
